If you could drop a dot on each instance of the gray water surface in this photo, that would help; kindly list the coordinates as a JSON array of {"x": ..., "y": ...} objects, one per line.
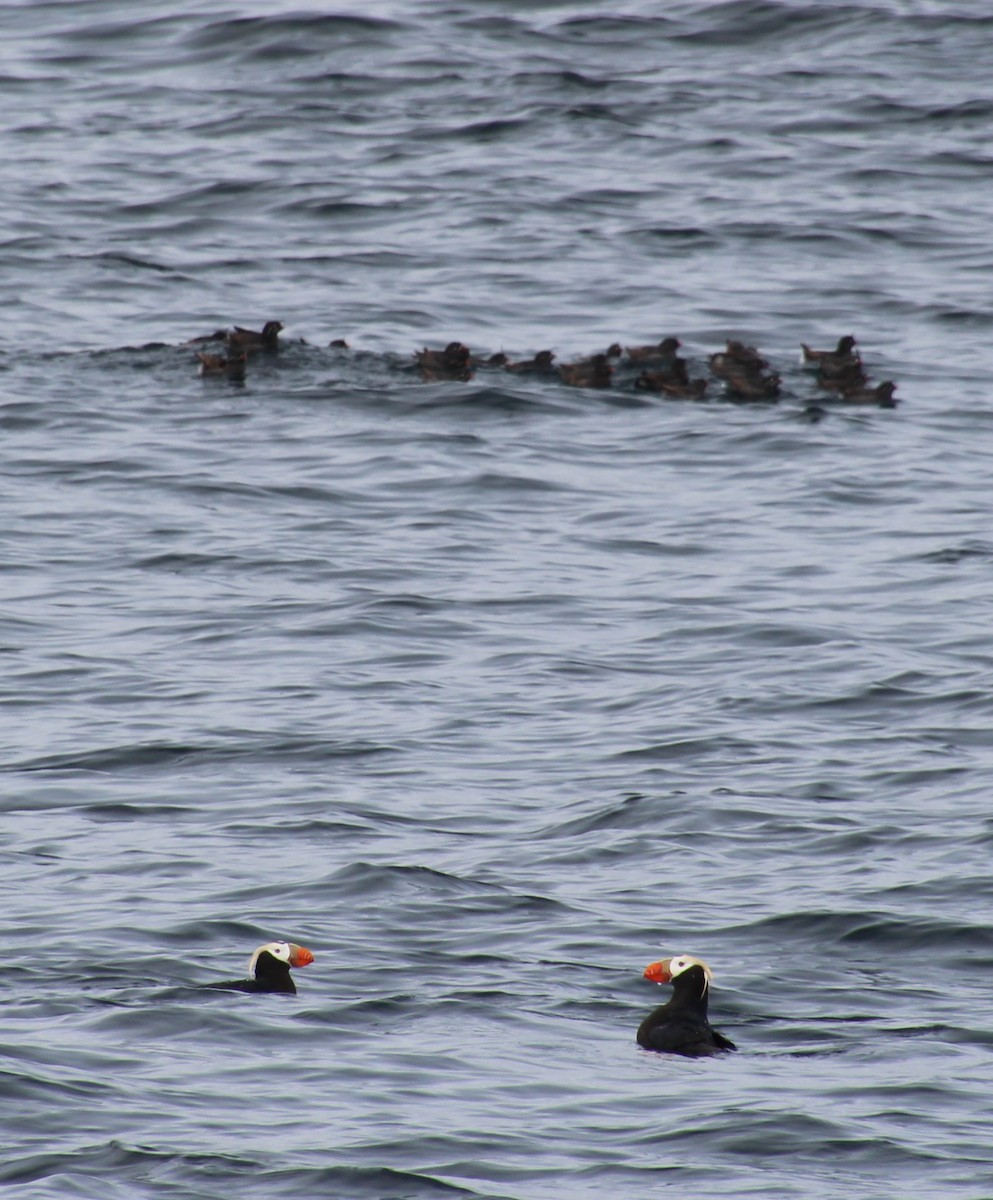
[{"x": 491, "y": 692}]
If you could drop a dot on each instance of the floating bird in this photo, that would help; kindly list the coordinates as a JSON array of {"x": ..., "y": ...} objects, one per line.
[
  {"x": 269, "y": 969},
  {"x": 741, "y": 369},
  {"x": 454, "y": 352},
  {"x": 721, "y": 365},
  {"x": 681, "y": 1026},
  {"x": 881, "y": 394},
  {"x": 542, "y": 361},
  {"x": 841, "y": 377},
  {"x": 338, "y": 344},
  {"x": 674, "y": 372},
  {"x": 251, "y": 339},
  {"x": 663, "y": 382},
  {"x": 746, "y": 386},
  {"x": 663, "y": 352},
  {"x": 588, "y": 373},
  {"x": 232, "y": 366},
  {"x": 451, "y": 363},
  {"x": 745, "y": 356},
  {"x": 726, "y": 363},
  {"x": 844, "y": 352}
]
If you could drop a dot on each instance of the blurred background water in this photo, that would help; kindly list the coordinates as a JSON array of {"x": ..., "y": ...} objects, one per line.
[{"x": 490, "y": 692}]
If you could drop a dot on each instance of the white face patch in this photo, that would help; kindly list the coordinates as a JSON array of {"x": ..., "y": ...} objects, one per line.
[
  {"x": 683, "y": 962},
  {"x": 280, "y": 950}
]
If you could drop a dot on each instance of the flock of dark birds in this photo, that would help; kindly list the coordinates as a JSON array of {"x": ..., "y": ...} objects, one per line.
[
  {"x": 679, "y": 1027},
  {"x": 740, "y": 370}
]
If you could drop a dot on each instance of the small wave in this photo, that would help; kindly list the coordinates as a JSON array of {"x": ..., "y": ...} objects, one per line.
[
  {"x": 122, "y": 1170},
  {"x": 145, "y": 756}
]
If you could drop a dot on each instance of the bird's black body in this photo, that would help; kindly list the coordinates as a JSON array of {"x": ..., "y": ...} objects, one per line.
[
  {"x": 681, "y": 1026},
  {"x": 271, "y": 975},
  {"x": 252, "y": 339}
]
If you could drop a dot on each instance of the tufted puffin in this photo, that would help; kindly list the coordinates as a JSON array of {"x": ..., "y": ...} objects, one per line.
[
  {"x": 681, "y": 1026},
  {"x": 269, "y": 969}
]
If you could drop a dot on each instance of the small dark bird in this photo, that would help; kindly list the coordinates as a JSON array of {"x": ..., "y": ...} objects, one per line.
[
  {"x": 589, "y": 373},
  {"x": 844, "y": 351},
  {"x": 726, "y": 363},
  {"x": 269, "y": 969},
  {"x": 881, "y": 394},
  {"x": 451, "y": 363},
  {"x": 250, "y": 339},
  {"x": 746, "y": 356},
  {"x": 454, "y": 352},
  {"x": 665, "y": 351},
  {"x": 491, "y": 360},
  {"x": 674, "y": 372},
  {"x": 232, "y": 366},
  {"x": 841, "y": 378},
  {"x": 741, "y": 369},
  {"x": 338, "y": 344},
  {"x": 681, "y": 1026},
  {"x": 542, "y": 362},
  {"x": 744, "y": 385},
  {"x": 663, "y": 382}
]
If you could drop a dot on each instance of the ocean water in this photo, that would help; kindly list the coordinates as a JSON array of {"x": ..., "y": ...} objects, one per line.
[{"x": 492, "y": 691}]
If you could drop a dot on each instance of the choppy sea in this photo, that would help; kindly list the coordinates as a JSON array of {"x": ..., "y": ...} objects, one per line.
[{"x": 491, "y": 691}]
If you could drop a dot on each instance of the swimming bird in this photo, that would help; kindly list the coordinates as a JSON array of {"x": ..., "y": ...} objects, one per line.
[
  {"x": 881, "y": 394},
  {"x": 588, "y": 373},
  {"x": 233, "y": 366},
  {"x": 747, "y": 385},
  {"x": 745, "y": 356},
  {"x": 665, "y": 351},
  {"x": 542, "y": 361},
  {"x": 451, "y": 363},
  {"x": 737, "y": 360},
  {"x": 844, "y": 351},
  {"x": 667, "y": 385},
  {"x": 674, "y": 371},
  {"x": 269, "y": 969},
  {"x": 841, "y": 377},
  {"x": 681, "y": 1026},
  {"x": 251, "y": 339},
  {"x": 453, "y": 352}
]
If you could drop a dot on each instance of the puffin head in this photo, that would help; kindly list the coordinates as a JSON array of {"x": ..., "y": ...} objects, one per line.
[
  {"x": 284, "y": 952},
  {"x": 671, "y": 968}
]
